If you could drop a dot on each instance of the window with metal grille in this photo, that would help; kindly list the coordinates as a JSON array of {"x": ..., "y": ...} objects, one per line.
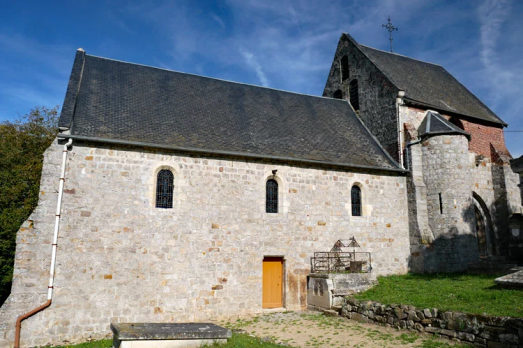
[
  {"x": 353, "y": 95},
  {"x": 164, "y": 189},
  {"x": 344, "y": 68},
  {"x": 271, "y": 202},
  {"x": 355, "y": 196}
]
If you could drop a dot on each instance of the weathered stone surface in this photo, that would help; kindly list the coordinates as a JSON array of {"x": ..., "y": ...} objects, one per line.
[
  {"x": 509, "y": 338},
  {"x": 168, "y": 331},
  {"x": 432, "y": 329},
  {"x": 450, "y": 333},
  {"x": 172, "y": 258},
  {"x": 513, "y": 280},
  {"x": 359, "y": 317},
  {"x": 400, "y": 314},
  {"x": 454, "y": 325}
]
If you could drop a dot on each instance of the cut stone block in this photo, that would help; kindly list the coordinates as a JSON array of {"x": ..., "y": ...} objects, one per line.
[
  {"x": 167, "y": 335},
  {"x": 513, "y": 280}
]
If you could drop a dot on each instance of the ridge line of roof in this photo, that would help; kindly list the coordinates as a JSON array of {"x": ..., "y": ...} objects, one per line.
[
  {"x": 228, "y": 153},
  {"x": 208, "y": 77},
  {"x": 401, "y": 55}
]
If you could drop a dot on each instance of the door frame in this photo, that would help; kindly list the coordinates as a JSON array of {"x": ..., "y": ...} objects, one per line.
[{"x": 283, "y": 278}]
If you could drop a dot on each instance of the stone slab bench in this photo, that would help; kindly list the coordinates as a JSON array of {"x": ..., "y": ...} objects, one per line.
[
  {"x": 513, "y": 280},
  {"x": 167, "y": 335}
]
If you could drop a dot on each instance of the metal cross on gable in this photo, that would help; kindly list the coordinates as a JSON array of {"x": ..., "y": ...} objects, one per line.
[{"x": 390, "y": 28}]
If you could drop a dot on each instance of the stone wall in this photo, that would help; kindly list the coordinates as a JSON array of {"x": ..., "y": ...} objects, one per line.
[
  {"x": 480, "y": 330},
  {"x": 377, "y": 95},
  {"x": 120, "y": 259},
  {"x": 449, "y": 202},
  {"x": 492, "y": 186}
]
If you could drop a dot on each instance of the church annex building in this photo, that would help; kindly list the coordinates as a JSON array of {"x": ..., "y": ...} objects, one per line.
[{"x": 186, "y": 198}]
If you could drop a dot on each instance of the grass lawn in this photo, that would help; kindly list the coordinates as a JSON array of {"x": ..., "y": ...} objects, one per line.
[
  {"x": 237, "y": 341},
  {"x": 243, "y": 340},
  {"x": 475, "y": 294}
]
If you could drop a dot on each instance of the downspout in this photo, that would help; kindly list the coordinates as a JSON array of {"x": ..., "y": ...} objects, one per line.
[
  {"x": 409, "y": 144},
  {"x": 54, "y": 246},
  {"x": 399, "y": 102}
]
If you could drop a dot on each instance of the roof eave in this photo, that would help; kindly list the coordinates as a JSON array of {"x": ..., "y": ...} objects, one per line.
[
  {"x": 230, "y": 153},
  {"x": 415, "y": 102}
]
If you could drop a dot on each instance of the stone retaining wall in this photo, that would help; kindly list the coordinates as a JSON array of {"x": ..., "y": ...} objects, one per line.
[{"x": 480, "y": 330}]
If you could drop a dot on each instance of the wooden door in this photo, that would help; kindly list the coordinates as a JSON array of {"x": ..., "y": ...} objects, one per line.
[{"x": 272, "y": 282}]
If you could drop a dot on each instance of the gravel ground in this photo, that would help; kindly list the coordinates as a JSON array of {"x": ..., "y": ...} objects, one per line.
[{"x": 313, "y": 329}]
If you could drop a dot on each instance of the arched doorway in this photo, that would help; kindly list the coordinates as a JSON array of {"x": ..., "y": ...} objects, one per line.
[
  {"x": 481, "y": 232},
  {"x": 483, "y": 226}
]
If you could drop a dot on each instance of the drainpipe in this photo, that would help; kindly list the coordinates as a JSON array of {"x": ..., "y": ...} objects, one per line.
[
  {"x": 53, "y": 255},
  {"x": 399, "y": 102},
  {"x": 409, "y": 144}
]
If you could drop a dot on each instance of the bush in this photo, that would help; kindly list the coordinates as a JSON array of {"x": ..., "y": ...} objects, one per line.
[{"x": 22, "y": 145}]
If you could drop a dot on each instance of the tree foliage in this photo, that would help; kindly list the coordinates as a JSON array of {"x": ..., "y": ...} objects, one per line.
[{"x": 22, "y": 144}]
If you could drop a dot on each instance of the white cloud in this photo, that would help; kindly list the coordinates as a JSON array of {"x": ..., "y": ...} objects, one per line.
[
  {"x": 492, "y": 15},
  {"x": 218, "y": 20},
  {"x": 251, "y": 61}
]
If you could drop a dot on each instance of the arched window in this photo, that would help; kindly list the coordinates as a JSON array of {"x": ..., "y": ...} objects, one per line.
[
  {"x": 353, "y": 93},
  {"x": 271, "y": 203},
  {"x": 344, "y": 68},
  {"x": 337, "y": 94},
  {"x": 164, "y": 189},
  {"x": 355, "y": 197},
  {"x": 455, "y": 121}
]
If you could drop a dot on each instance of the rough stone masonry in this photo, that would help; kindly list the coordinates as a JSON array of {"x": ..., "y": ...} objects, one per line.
[{"x": 120, "y": 259}]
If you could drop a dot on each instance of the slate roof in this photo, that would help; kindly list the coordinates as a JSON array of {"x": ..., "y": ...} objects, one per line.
[
  {"x": 429, "y": 84},
  {"x": 435, "y": 124},
  {"x": 118, "y": 101},
  {"x": 517, "y": 164}
]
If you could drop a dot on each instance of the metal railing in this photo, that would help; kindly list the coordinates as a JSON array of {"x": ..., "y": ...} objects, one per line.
[{"x": 341, "y": 262}]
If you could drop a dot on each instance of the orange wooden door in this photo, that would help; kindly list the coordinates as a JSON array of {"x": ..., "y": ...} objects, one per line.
[{"x": 272, "y": 282}]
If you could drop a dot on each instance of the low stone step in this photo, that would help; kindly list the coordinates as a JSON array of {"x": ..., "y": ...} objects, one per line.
[
  {"x": 167, "y": 335},
  {"x": 511, "y": 281}
]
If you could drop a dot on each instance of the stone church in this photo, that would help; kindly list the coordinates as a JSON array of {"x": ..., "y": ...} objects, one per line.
[{"x": 171, "y": 197}]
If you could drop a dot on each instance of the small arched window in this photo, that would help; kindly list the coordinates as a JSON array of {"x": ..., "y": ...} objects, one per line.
[
  {"x": 337, "y": 94},
  {"x": 355, "y": 197},
  {"x": 164, "y": 189},
  {"x": 344, "y": 68},
  {"x": 271, "y": 202},
  {"x": 353, "y": 94}
]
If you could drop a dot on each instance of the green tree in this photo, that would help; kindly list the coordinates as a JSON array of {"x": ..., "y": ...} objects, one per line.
[{"x": 22, "y": 144}]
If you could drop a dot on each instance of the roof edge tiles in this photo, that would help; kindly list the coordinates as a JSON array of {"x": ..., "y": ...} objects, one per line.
[
  {"x": 394, "y": 67},
  {"x": 229, "y": 153},
  {"x": 208, "y": 77},
  {"x": 73, "y": 88},
  {"x": 413, "y": 102},
  {"x": 114, "y": 101}
]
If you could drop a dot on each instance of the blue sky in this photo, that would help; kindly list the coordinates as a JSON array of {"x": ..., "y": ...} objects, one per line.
[{"x": 284, "y": 44}]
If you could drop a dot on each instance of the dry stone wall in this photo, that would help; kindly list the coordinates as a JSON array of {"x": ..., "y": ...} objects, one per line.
[
  {"x": 479, "y": 330},
  {"x": 120, "y": 259}
]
